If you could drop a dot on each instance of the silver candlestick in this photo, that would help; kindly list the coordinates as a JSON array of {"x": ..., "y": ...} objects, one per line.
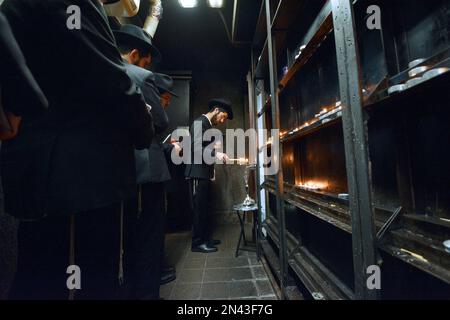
[{"x": 248, "y": 202}]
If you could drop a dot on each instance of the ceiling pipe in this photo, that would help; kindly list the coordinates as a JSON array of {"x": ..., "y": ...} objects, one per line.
[
  {"x": 234, "y": 23},
  {"x": 232, "y": 36}
]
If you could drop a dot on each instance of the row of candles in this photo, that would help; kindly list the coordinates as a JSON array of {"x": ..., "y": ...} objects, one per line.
[
  {"x": 313, "y": 186},
  {"x": 323, "y": 116}
]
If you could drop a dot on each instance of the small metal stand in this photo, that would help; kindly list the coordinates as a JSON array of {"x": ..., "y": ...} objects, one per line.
[{"x": 243, "y": 209}]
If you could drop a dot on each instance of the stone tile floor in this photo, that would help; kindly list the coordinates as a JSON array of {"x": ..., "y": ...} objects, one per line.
[{"x": 215, "y": 276}]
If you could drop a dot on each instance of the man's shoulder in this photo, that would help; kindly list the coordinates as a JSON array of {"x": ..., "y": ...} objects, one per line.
[
  {"x": 202, "y": 119},
  {"x": 139, "y": 75}
]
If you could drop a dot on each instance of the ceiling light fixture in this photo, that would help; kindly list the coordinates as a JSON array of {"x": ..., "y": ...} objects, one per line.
[
  {"x": 188, "y": 3},
  {"x": 216, "y": 3}
]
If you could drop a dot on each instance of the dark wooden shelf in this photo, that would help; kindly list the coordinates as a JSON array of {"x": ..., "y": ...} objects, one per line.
[
  {"x": 272, "y": 259},
  {"x": 272, "y": 231},
  {"x": 314, "y": 127},
  {"x": 416, "y": 240},
  {"x": 319, "y": 30},
  {"x": 318, "y": 279},
  {"x": 417, "y": 261},
  {"x": 326, "y": 207},
  {"x": 418, "y": 249},
  {"x": 326, "y": 211},
  {"x": 309, "y": 269},
  {"x": 437, "y": 86},
  {"x": 293, "y": 294}
]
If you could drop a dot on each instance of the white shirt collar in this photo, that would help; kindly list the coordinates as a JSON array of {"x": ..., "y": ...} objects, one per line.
[{"x": 208, "y": 119}]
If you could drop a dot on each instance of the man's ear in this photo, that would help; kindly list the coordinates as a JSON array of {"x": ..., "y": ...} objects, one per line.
[{"x": 134, "y": 55}]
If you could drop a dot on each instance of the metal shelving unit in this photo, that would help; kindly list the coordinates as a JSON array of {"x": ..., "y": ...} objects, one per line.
[{"x": 411, "y": 242}]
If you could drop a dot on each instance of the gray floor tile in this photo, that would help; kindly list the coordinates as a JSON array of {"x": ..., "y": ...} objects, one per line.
[
  {"x": 190, "y": 276},
  {"x": 243, "y": 289},
  {"x": 240, "y": 262},
  {"x": 218, "y": 290},
  {"x": 241, "y": 274},
  {"x": 197, "y": 263},
  {"x": 222, "y": 253},
  {"x": 186, "y": 292},
  {"x": 272, "y": 298},
  {"x": 226, "y": 262},
  {"x": 253, "y": 260},
  {"x": 259, "y": 273},
  {"x": 217, "y": 275},
  {"x": 196, "y": 255},
  {"x": 176, "y": 261},
  {"x": 218, "y": 262},
  {"x": 264, "y": 288}
]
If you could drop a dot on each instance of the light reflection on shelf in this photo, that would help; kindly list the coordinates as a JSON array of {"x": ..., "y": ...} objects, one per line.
[
  {"x": 313, "y": 186},
  {"x": 323, "y": 117}
]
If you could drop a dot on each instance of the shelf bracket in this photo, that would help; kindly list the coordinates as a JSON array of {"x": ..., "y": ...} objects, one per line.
[{"x": 387, "y": 226}]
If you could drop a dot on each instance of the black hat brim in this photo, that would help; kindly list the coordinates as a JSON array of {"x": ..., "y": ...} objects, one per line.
[
  {"x": 162, "y": 90},
  {"x": 223, "y": 105},
  {"x": 173, "y": 93},
  {"x": 123, "y": 37}
]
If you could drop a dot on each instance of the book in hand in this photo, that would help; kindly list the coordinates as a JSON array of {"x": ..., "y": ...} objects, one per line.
[{"x": 9, "y": 125}]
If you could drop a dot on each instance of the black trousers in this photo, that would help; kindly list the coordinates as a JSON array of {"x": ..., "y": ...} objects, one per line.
[
  {"x": 144, "y": 241},
  {"x": 44, "y": 256},
  {"x": 200, "y": 190}
]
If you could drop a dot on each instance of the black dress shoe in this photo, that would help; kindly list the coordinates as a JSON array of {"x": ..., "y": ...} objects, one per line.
[
  {"x": 168, "y": 275},
  {"x": 213, "y": 243},
  {"x": 204, "y": 248}
]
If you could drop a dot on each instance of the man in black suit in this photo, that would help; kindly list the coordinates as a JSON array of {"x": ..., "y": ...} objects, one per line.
[
  {"x": 146, "y": 218},
  {"x": 164, "y": 83},
  {"x": 69, "y": 169},
  {"x": 21, "y": 93},
  {"x": 200, "y": 174}
]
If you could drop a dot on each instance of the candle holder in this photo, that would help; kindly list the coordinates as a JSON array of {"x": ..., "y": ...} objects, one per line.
[{"x": 248, "y": 202}]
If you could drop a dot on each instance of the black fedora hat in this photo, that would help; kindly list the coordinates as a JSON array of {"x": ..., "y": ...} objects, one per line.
[
  {"x": 222, "y": 104},
  {"x": 164, "y": 83},
  {"x": 131, "y": 34}
]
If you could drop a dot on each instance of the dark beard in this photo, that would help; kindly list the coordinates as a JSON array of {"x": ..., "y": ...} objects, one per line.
[{"x": 214, "y": 120}]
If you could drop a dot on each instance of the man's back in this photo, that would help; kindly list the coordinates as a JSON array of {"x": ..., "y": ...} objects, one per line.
[
  {"x": 201, "y": 170},
  {"x": 78, "y": 155},
  {"x": 151, "y": 163}
]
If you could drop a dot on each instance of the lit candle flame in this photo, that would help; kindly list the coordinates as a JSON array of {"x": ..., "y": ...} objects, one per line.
[{"x": 313, "y": 186}]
